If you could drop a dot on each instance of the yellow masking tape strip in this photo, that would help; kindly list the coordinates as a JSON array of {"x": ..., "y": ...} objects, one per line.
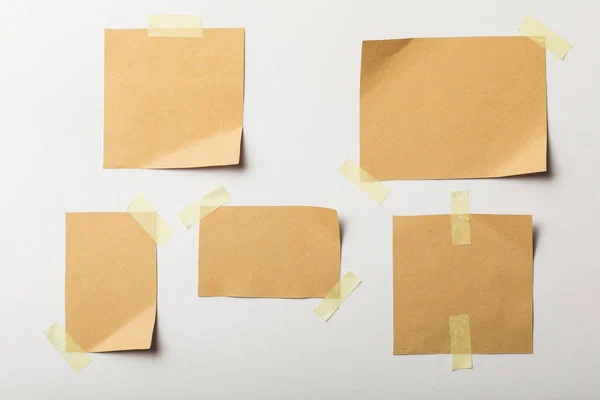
[
  {"x": 207, "y": 204},
  {"x": 459, "y": 219},
  {"x": 543, "y": 36},
  {"x": 336, "y": 296},
  {"x": 75, "y": 357},
  {"x": 148, "y": 218},
  {"x": 460, "y": 342},
  {"x": 364, "y": 181},
  {"x": 175, "y": 25}
]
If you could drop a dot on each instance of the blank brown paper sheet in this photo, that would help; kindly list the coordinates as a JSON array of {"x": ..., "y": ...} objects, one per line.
[
  {"x": 110, "y": 287},
  {"x": 263, "y": 251},
  {"x": 491, "y": 280},
  {"x": 450, "y": 108},
  {"x": 173, "y": 102}
]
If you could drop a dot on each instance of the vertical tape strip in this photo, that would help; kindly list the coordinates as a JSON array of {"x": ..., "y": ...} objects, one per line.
[
  {"x": 364, "y": 181},
  {"x": 543, "y": 36},
  {"x": 75, "y": 357},
  {"x": 207, "y": 204},
  {"x": 460, "y": 342},
  {"x": 148, "y": 218},
  {"x": 175, "y": 26},
  {"x": 336, "y": 296},
  {"x": 459, "y": 218}
]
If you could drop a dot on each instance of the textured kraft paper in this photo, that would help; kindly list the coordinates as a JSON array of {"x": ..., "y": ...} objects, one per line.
[
  {"x": 172, "y": 102},
  {"x": 449, "y": 108},
  {"x": 491, "y": 280},
  {"x": 460, "y": 342},
  {"x": 110, "y": 285},
  {"x": 264, "y": 251}
]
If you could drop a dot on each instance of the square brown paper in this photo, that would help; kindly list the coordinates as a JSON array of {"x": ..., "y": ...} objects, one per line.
[
  {"x": 286, "y": 252},
  {"x": 491, "y": 280},
  {"x": 172, "y": 102},
  {"x": 448, "y": 108},
  {"x": 110, "y": 285}
]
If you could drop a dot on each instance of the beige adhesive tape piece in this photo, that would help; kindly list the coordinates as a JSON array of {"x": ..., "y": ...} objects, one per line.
[
  {"x": 76, "y": 357},
  {"x": 460, "y": 342},
  {"x": 543, "y": 36},
  {"x": 459, "y": 218},
  {"x": 336, "y": 296},
  {"x": 175, "y": 26},
  {"x": 207, "y": 204},
  {"x": 148, "y": 218},
  {"x": 364, "y": 181}
]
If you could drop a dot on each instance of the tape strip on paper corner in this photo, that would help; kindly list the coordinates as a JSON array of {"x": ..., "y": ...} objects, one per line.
[
  {"x": 546, "y": 38},
  {"x": 460, "y": 220},
  {"x": 76, "y": 357},
  {"x": 460, "y": 342},
  {"x": 143, "y": 212},
  {"x": 189, "y": 26},
  {"x": 364, "y": 181},
  {"x": 336, "y": 296},
  {"x": 207, "y": 204}
]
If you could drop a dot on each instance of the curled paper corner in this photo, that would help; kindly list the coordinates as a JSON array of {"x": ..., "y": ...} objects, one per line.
[
  {"x": 149, "y": 219},
  {"x": 545, "y": 37},
  {"x": 364, "y": 181},
  {"x": 175, "y": 26},
  {"x": 206, "y": 205},
  {"x": 460, "y": 342},
  {"x": 460, "y": 221},
  {"x": 336, "y": 296},
  {"x": 72, "y": 353}
]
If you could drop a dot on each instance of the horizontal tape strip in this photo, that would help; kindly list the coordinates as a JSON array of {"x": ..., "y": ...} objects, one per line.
[
  {"x": 459, "y": 218},
  {"x": 207, "y": 204},
  {"x": 175, "y": 26},
  {"x": 75, "y": 357},
  {"x": 460, "y": 342},
  {"x": 336, "y": 296},
  {"x": 150, "y": 220},
  {"x": 543, "y": 36},
  {"x": 364, "y": 181}
]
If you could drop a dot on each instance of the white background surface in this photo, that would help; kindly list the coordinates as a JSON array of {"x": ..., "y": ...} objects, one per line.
[{"x": 301, "y": 122}]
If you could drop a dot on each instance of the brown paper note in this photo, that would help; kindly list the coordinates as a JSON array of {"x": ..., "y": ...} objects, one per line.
[
  {"x": 491, "y": 280},
  {"x": 286, "y": 252},
  {"x": 448, "y": 108},
  {"x": 110, "y": 288},
  {"x": 173, "y": 102}
]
